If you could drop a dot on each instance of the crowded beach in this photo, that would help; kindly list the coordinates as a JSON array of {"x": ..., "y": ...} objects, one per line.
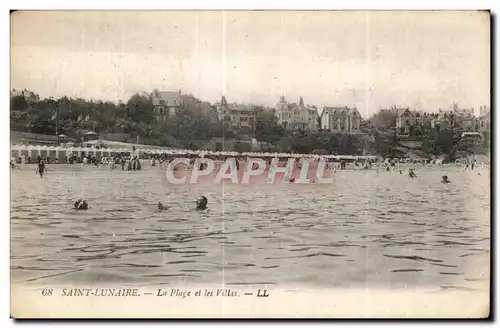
[{"x": 130, "y": 159}]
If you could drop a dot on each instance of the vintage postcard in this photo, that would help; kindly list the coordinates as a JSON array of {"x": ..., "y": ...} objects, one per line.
[{"x": 250, "y": 164}]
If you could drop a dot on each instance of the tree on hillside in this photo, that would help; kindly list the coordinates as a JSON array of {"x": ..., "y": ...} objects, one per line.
[
  {"x": 18, "y": 103},
  {"x": 438, "y": 142},
  {"x": 194, "y": 106},
  {"x": 266, "y": 126},
  {"x": 44, "y": 124},
  {"x": 140, "y": 108},
  {"x": 350, "y": 145},
  {"x": 386, "y": 145},
  {"x": 383, "y": 121},
  {"x": 242, "y": 147}
]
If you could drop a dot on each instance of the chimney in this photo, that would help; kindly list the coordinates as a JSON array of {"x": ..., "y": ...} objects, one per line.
[
  {"x": 282, "y": 99},
  {"x": 483, "y": 110}
]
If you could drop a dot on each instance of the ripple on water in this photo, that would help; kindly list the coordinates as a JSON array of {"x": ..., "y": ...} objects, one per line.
[{"x": 378, "y": 230}]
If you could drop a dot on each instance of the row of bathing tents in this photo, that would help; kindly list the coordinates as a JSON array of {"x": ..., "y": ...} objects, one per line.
[{"x": 62, "y": 153}]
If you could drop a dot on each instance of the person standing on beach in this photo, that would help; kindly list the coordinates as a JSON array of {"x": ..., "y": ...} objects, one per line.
[{"x": 41, "y": 168}]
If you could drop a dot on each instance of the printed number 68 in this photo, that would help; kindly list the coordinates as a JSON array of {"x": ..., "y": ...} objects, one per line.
[{"x": 47, "y": 292}]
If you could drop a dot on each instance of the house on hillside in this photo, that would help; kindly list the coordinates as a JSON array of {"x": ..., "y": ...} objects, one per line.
[
  {"x": 222, "y": 109},
  {"x": 240, "y": 116},
  {"x": 461, "y": 111},
  {"x": 340, "y": 119},
  {"x": 287, "y": 114},
  {"x": 466, "y": 123},
  {"x": 422, "y": 119},
  {"x": 443, "y": 121},
  {"x": 462, "y": 119},
  {"x": 411, "y": 121},
  {"x": 313, "y": 118},
  {"x": 405, "y": 120},
  {"x": 90, "y": 136},
  {"x": 484, "y": 119},
  {"x": 166, "y": 103},
  {"x": 293, "y": 116}
]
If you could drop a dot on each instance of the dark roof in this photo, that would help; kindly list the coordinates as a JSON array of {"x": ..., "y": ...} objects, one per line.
[{"x": 338, "y": 110}]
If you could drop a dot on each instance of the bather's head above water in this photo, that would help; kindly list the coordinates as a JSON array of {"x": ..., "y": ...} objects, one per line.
[
  {"x": 201, "y": 203},
  {"x": 81, "y": 204},
  {"x": 162, "y": 207}
]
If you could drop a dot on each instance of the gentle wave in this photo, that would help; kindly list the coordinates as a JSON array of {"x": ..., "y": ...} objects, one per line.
[{"x": 367, "y": 229}]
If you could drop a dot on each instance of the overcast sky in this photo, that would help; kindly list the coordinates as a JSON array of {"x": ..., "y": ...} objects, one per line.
[{"x": 370, "y": 60}]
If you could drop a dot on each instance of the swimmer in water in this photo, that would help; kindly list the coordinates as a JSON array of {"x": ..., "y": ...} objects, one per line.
[
  {"x": 81, "y": 204},
  {"x": 162, "y": 207},
  {"x": 201, "y": 203},
  {"x": 41, "y": 168},
  {"x": 445, "y": 179},
  {"x": 411, "y": 174}
]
